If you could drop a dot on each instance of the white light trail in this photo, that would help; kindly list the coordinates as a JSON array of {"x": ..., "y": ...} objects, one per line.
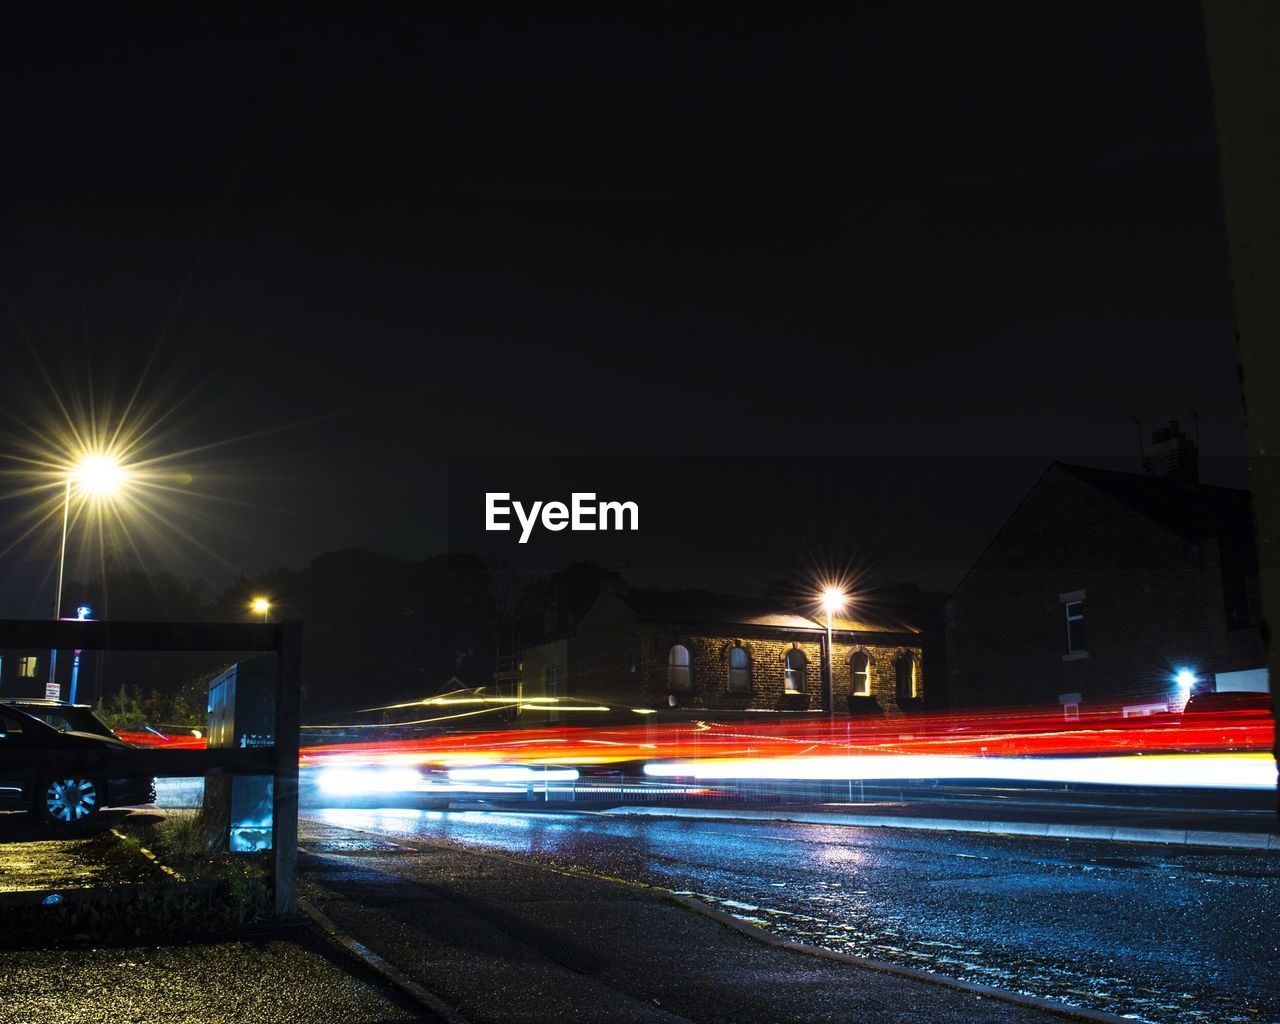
[{"x": 1202, "y": 771}]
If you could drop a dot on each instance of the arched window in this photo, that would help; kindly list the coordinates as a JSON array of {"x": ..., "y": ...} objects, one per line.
[
  {"x": 795, "y": 669},
  {"x": 739, "y": 670},
  {"x": 905, "y": 673},
  {"x": 860, "y": 673},
  {"x": 679, "y": 671}
]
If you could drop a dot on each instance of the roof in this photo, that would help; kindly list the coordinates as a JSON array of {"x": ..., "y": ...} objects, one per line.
[
  {"x": 702, "y": 607},
  {"x": 1193, "y": 511}
]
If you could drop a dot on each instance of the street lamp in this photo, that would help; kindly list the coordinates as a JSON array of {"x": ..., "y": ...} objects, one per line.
[
  {"x": 97, "y": 476},
  {"x": 260, "y": 606},
  {"x": 833, "y": 599}
]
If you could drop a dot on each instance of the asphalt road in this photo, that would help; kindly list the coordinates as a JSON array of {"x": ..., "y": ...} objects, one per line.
[{"x": 1168, "y": 935}]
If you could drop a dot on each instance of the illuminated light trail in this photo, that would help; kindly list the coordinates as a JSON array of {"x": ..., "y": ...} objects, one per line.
[
  {"x": 363, "y": 780},
  {"x": 1221, "y": 749},
  {"x": 1190, "y": 771},
  {"x": 500, "y": 773}
]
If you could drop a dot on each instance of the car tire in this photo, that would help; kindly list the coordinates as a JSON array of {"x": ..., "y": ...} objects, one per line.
[{"x": 64, "y": 803}]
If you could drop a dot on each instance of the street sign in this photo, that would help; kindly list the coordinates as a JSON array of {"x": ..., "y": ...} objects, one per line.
[{"x": 53, "y": 691}]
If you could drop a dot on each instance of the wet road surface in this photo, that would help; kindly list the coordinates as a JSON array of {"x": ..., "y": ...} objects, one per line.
[{"x": 1165, "y": 934}]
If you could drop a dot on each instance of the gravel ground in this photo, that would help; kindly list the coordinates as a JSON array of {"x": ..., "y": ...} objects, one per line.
[
  {"x": 33, "y": 857},
  {"x": 296, "y": 979}
]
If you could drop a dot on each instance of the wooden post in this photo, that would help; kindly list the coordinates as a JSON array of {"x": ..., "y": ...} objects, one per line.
[{"x": 284, "y": 790}]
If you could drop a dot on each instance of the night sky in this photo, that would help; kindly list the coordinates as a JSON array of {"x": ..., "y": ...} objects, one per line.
[{"x": 343, "y": 247}]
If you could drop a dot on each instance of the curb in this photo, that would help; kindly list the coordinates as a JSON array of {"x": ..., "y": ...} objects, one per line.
[
  {"x": 763, "y": 935},
  {"x": 359, "y": 951},
  {"x": 1036, "y": 830}
]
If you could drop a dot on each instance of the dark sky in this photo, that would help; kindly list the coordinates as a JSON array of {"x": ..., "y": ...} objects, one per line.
[{"x": 364, "y": 242}]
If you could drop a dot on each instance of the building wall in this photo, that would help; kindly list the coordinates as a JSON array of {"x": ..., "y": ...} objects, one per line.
[
  {"x": 615, "y": 658},
  {"x": 603, "y": 653},
  {"x": 709, "y": 651},
  {"x": 534, "y": 663},
  {"x": 1154, "y": 602}
]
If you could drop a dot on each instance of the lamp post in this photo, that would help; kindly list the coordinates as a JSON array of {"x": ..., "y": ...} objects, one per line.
[
  {"x": 832, "y": 600},
  {"x": 98, "y": 476},
  {"x": 260, "y": 606}
]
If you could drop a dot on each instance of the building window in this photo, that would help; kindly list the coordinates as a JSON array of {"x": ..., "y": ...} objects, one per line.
[
  {"x": 27, "y": 666},
  {"x": 739, "y": 670},
  {"x": 679, "y": 671},
  {"x": 860, "y": 672},
  {"x": 905, "y": 675},
  {"x": 795, "y": 670},
  {"x": 1075, "y": 626}
]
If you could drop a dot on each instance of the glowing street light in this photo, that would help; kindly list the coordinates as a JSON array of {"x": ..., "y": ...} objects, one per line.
[
  {"x": 99, "y": 475},
  {"x": 260, "y": 606},
  {"x": 96, "y": 476},
  {"x": 833, "y": 600}
]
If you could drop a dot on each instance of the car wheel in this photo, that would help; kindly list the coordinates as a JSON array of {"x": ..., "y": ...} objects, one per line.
[{"x": 68, "y": 801}]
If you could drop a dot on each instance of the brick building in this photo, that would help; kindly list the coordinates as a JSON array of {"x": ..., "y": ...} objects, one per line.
[
  {"x": 691, "y": 649},
  {"x": 1102, "y": 587}
]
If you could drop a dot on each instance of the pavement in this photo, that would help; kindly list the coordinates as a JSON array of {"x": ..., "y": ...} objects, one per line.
[{"x": 501, "y": 938}]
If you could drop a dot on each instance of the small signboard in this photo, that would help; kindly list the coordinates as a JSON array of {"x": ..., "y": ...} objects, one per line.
[{"x": 53, "y": 691}]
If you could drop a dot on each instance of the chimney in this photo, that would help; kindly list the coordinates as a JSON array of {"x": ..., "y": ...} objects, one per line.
[{"x": 1172, "y": 455}]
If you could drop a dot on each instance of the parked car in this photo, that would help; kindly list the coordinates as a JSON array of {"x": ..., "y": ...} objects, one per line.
[
  {"x": 31, "y": 726},
  {"x": 61, "y": 716}
]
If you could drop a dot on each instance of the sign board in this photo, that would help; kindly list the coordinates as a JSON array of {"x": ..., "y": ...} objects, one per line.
[{"x": 53, "y": 691}]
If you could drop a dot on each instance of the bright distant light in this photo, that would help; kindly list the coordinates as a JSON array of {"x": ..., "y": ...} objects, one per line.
[
  {"x": 1185, "y": 679},
  {"x": 833, "y": 599},
  {"x": 261, "y": 605},
  {"x": 99, "y": 475}
]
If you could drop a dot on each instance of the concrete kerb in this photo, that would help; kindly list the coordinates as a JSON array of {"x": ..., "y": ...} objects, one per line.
[
  {"x": 745, "y": 928},
  {"x": 1043, "y": 830},
  {"x": 362, "y": 953}
]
